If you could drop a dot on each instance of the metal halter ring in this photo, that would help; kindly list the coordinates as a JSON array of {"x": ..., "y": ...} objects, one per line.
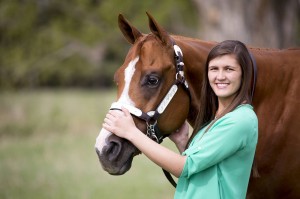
[
  {"x": 180, "y": 76},
  {"x": 151, "y": 131}
]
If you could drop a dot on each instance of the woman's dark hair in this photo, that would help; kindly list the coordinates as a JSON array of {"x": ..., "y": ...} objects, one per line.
[{"x": 208, "y": 100}]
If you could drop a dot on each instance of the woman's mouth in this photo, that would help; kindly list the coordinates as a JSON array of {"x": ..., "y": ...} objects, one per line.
[{"x": 221, "y": 85}]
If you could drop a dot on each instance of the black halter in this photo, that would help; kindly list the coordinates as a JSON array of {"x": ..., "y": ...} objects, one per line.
[
  {"x": 151, "y": 117},
  {"x": 152, "y": 128}
]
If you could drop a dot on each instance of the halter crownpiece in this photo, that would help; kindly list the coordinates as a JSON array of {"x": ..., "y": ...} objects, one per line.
[
  {"x": 179, "y": 65},
  {"x": 178, "y": 51}
]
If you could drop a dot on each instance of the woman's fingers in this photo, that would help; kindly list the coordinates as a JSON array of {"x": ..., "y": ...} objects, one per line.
[
  {"x": 108, "y": 121},
  {"x": 125, "y": 111},
  {"x": 108, "y": 127}
]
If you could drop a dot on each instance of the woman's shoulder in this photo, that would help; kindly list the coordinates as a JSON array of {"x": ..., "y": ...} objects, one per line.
[
  {"x": 242, "y": 111},
  {"x": 241, "y": 119},
  {"x": 242, "y": 115}
]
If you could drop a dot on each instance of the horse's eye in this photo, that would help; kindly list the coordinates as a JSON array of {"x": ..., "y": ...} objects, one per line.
[{"x": 152, "y": 81}]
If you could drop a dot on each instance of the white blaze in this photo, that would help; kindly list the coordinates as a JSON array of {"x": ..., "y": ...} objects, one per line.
[
  {"x": 124, "y": 98},
  {"x": 129, "y": 71}
]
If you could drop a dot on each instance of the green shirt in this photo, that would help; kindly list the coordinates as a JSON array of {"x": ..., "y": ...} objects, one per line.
[{"x": 219, "y": 164}]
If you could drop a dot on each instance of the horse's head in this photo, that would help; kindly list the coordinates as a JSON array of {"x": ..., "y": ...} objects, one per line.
[{"x": 147, "y": 86}]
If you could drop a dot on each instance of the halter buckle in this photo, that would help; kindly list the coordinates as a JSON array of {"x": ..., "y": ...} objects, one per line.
[{"x": 151, "y": 132}]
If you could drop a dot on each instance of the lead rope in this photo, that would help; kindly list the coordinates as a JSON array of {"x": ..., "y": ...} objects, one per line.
[{"x": 170, "y": 178}]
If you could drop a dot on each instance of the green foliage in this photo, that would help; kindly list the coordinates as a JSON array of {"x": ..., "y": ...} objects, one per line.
[{"x": 69, "y": 43}]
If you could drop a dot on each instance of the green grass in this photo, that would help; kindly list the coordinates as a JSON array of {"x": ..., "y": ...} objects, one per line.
[{"x": 47, "y": 149}]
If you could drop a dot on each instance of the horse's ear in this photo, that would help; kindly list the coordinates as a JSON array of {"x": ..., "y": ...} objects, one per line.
[
  {"x": 157, "y": 30},
  {"x": 129, "y": 32}
]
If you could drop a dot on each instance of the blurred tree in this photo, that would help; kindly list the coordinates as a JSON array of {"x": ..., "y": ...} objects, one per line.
[
  {"x": 74, "y": 42},
  {"x": 78, "y": 43},
  {"x": 264, "y": 23}
]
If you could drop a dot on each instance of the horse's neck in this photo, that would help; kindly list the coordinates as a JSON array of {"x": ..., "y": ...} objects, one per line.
[{"x": 194, "y": 55}]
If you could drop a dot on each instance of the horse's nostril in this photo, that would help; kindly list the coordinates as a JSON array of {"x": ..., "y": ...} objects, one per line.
[{"x": 113, "y": 150}]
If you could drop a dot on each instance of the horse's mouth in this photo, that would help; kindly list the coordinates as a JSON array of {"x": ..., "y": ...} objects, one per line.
[
  {"x": 117, "y": 170},
  {"x": 116, "y": 155},
  {"x": 126, "y": 166}
]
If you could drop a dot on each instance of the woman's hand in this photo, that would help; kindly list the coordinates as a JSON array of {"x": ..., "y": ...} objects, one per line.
[
  {"x": 119, "y": 123},
  {"x": 181, "y": 137}
]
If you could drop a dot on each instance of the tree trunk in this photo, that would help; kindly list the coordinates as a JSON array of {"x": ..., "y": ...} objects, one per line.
[{"x": 262, "y": 23}]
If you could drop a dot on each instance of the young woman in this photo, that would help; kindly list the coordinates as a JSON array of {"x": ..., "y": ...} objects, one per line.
[{"x": 216, "y": 160}]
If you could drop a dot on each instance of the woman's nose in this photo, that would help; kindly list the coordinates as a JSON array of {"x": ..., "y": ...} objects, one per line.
[{"x": 220, "y": 75}]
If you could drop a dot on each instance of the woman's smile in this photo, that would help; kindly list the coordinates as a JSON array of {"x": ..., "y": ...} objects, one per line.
[
  {"x": 222, "y": 85},
  {"x": 225, "y": 76}
]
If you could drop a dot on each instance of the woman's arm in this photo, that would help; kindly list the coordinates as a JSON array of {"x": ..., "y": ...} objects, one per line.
[
  {"x": 181, "y": 137},
  {"x": 122, "y": 125}
]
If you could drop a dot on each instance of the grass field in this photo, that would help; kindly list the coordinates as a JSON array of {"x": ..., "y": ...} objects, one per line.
[{"x": 47, "y": 142}]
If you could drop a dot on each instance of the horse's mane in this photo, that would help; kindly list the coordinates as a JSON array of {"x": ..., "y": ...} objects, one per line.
[
  {"x": 270, "y": 50},
  {"x": 252, "y": 48},
  {"x": 263, "y": 49},
  {"x": 180, "y": 37}
]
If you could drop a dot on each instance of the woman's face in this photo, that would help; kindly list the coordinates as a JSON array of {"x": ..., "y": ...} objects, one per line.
[{"x": 225, "y": 75}]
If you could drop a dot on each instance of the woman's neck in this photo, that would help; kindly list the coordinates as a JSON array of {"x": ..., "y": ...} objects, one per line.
[{"x": 222, "y": 106}]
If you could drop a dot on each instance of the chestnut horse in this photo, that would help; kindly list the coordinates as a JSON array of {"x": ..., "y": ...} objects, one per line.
[{"x": 161, "y": 91}]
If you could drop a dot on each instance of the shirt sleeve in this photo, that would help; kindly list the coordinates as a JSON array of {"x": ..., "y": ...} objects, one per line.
[{"x": 227, "y": 136}]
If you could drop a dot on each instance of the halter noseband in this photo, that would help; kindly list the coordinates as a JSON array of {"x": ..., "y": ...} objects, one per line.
[{"x": 151, "y": 117}]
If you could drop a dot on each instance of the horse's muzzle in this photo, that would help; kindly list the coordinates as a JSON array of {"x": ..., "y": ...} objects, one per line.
[{"x": 116, "y": 154}]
